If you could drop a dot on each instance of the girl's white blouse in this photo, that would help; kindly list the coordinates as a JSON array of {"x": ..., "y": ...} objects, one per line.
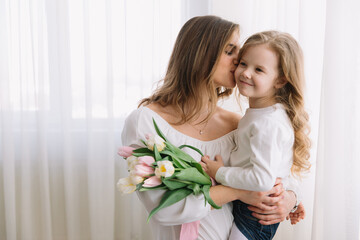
[{"x": 166, "y": 224}]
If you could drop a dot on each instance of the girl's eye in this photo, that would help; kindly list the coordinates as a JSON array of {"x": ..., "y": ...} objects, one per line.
[
  {"x": 259, "y": 69},
  {"x": 242, "y": 63}
]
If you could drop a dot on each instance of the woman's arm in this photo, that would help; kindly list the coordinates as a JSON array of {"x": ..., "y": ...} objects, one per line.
[
  {"x": 223, "y": 194},
  {"x": 269, "y": 207}
]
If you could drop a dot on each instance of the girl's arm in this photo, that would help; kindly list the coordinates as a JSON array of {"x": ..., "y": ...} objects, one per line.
[{"x": 264, "y": 156}]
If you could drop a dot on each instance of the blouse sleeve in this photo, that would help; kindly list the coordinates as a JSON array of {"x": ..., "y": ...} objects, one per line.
[
  {"x": 266, "y": 146},
  {"x": 291, "y": 183},
  {"x": 190, "y": 209}
]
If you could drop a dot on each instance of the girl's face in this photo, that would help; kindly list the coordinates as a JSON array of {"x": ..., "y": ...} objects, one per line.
[
  {"x": 257, "y": 75},
  {"x": 224, "y": 72}
]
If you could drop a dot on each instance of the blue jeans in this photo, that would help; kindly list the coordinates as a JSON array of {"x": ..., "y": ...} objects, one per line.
[{"x": 249, "y": 225}]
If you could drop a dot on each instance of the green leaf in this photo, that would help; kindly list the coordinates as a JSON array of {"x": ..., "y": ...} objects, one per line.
[
  {"x": 143, "y": 189},
  {"x": 178, "y": 164},
  {"x": 195, "y": 187},
  {"x": 142, "y": 154},
  {"x": 176, "y": 160},
  {"x": 143, "y": 150},
  {"x": 157, "y": 154},
  {"x": 192, "y": 174},
  {"x": 158, "y": 131},
  {"x": 193, "y": 148},
  {"x": 138, "y": 186},
  {"x": 179, "y": 153},
  {"x": 173, "y": 184},
  {"x": 200, "y": 169},
  {"x": 206, "y": 191},
  {"x": 169, "y": 198},
  {"x": 143, "y": 142}
]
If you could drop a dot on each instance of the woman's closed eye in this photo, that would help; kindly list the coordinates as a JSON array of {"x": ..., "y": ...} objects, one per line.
[{"x": 229, "y": 52}]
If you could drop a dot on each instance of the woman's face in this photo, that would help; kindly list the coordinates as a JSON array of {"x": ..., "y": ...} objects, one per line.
[{"x": 224, "y": 72}]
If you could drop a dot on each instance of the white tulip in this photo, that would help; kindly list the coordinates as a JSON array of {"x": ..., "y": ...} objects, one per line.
[
  {"x": 155, "y": 140},
  {"x": 164, "y": 169},
  {"x": 135, "y": 179},
  {"x": 125, "y": 186},
  {"x": 132, "y": 161}
]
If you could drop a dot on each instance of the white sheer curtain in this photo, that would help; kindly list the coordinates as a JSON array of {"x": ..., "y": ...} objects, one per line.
[
  {"x": 337, "y": 192},
  {"x": 70, "y": 71},
  {"x": 329, "y": 33}
]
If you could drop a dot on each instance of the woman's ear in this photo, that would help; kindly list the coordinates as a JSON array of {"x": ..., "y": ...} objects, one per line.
[{"x": 280, "y": 82}]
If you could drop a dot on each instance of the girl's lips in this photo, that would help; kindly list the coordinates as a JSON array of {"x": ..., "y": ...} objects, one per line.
[{"x": 246, "y": 83}]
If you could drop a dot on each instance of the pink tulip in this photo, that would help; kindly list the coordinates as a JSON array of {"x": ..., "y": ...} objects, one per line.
[
  {"x": 125, "y": 151},
  {"x": 146, "y": 160},
  {"x": 152, "y": 182},
  {"x": 143, "y": 170}
]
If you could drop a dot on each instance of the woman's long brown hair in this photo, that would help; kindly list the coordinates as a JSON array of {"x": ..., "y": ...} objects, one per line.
[{"x": 196, "y": 52}]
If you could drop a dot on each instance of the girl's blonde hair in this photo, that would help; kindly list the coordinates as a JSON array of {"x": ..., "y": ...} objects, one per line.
[
  {"x": 291, "y": 95},
  {"x": 193, "y": 61}
]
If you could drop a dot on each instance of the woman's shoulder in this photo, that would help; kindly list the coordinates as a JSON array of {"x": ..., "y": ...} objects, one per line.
[
  {"x": 134, "y": 115},
  {"x": 227, "y": 117},
  {"x": 139, "y": 122},
  {"x": 165, "y": 112},
  {"x": 140, "y": 118}
]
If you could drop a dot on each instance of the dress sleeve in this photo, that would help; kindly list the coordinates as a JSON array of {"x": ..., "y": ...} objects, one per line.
[
  {"x": 266, "y": 146},
  {"x": 190, "y": 209}
]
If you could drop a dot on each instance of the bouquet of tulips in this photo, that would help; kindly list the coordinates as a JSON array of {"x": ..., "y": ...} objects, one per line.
[{"x": 161, "y": 165}]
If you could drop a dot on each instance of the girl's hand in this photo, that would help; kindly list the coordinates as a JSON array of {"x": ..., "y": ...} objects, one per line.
[{"x": 210, "y": 166}]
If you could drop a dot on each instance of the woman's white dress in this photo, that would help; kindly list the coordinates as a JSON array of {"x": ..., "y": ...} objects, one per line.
[{"x": 166, "y": 224}]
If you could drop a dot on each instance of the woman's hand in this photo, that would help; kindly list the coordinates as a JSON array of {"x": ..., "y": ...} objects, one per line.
[
  {"x": 298, "y": 215},
  {"x": 264, "y": 201},
  {"x": 269, "y": 207},
  {"x": 282, "y": 207}
]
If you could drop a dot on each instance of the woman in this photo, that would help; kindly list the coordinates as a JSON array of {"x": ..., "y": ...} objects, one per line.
[{"x": 199, "y": 74}]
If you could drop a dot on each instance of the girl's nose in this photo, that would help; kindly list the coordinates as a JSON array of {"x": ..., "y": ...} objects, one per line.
[{"x": 246, "y": 73}]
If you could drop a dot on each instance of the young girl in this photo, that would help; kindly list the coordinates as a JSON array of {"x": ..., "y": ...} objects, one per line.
[{"x": 272, "y": 139}]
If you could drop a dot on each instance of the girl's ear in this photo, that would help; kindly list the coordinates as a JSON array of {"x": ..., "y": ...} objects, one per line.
[{"x": 280, "y": 82}]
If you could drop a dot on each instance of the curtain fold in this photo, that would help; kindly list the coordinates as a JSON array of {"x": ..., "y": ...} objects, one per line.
[
  {"x": 71, "y": 71},
  {"x": 337, "y": 177}
]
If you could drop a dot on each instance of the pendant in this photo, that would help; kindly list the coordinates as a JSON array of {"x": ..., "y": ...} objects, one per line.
[{"x": 200, "y": 132}]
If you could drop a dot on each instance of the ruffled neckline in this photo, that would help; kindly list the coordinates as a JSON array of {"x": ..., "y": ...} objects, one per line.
[{"x": 175, "y": 131}]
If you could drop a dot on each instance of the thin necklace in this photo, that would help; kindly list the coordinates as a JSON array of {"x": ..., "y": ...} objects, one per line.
[{"x": 201, "y": 131}]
